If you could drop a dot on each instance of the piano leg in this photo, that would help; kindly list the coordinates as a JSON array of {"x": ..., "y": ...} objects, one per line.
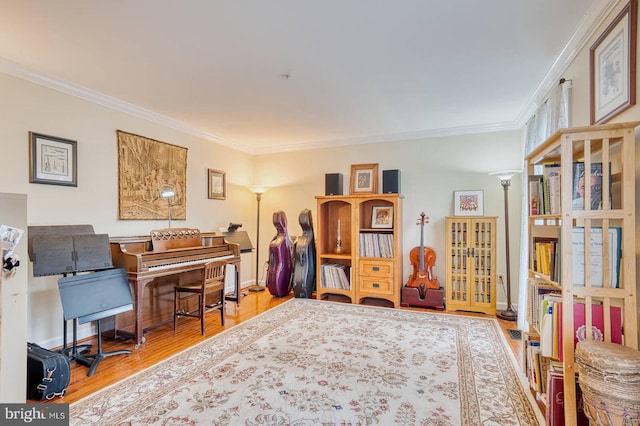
[{"x": 139, "y": 304}]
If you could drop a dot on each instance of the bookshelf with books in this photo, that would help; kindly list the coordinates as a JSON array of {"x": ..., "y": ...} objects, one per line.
[
  {"x": 582, "y": 271},
  {"x": 367, "y": 263}
]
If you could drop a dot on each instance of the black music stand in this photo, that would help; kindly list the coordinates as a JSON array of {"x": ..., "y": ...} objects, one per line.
[
  {"x": 68, "y": 249},
  {"x": 91, "y": 297}
]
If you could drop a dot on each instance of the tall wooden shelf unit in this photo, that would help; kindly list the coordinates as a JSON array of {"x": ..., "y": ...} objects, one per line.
[
  {"x": 471, "y": 264},
  {"x": 612, "y": 145},
  {"x": 369, "y": 276}
]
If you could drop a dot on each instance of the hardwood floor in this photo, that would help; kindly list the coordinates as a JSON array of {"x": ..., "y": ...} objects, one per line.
[{"x": 162, "y": 342}]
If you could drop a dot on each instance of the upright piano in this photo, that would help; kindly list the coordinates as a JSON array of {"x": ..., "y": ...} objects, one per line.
[{"x": 157, "y": 262}]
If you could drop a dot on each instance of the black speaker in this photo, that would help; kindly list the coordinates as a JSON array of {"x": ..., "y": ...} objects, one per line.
[
  {"x": 391, "y": 181},
  {"x": 333, "y": 184}
]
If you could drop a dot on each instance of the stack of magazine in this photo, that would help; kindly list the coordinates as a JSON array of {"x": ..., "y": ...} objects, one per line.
[
  {"x": 376, "y": 245},
  {"x": 334, "y": 275}
]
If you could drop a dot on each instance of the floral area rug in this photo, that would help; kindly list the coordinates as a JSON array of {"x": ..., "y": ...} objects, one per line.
[{"x": 309, "y": 362}]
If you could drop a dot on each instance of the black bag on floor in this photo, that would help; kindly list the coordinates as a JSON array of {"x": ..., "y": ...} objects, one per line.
[{"x": 48, "y": 373}]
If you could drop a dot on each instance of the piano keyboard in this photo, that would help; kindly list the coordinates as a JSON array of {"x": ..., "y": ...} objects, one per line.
[{"x": 188, "y": 263}]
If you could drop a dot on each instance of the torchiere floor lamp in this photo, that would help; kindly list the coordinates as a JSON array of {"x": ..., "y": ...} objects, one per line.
[
  {"x": 167, "y": 194},
  {"x": 505, "y": 179},
  {"x": 256, "y": 287}
]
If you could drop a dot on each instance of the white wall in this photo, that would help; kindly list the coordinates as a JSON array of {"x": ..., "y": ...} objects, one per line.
[
  {"x": 26, "y": 107},
  {"x": 430, "y": 171}
]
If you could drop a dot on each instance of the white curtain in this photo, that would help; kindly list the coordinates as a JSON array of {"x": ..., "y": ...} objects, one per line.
[{"x": 551, "y": 115}]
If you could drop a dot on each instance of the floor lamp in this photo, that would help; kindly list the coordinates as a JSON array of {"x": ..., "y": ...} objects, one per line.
[
  {"x": 167, "y": 194},
  {"x": 256, "y": 287},
  {"x": 505, "y": 179}
]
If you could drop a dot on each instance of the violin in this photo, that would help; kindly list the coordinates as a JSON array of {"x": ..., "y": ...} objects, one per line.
[{"x": 422, "y": 259}]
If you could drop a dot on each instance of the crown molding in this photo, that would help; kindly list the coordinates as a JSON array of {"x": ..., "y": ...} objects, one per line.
[
  {"x": 405, "y": 136},
  {"x": 11, "y": 68},
  {"x": 592, "y": 20}
]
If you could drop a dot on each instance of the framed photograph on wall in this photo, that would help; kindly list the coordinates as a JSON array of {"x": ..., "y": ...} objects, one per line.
[
  {"x": 364, "y": 178},
  {"x": 217, "y": 185},
  {"x": 52, "y": 160},
  {"x": 468, "y": 203},
  {"x": 613, "y": 66},
  {"x": 382, "y": 217}
]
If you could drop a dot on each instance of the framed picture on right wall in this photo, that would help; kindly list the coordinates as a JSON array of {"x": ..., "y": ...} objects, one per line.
[{"x": 612, "y": 66}]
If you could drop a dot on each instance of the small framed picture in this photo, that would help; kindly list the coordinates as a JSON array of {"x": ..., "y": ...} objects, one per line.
[
  {"x": 52, "y": 160},
  {"x": 382, "y": 217},
  {"x": 613, "y": 66},
  {"x": 468, "y": 203},
  {"x": 364, "y": 178},
  {"x": 217, "y": 185}
]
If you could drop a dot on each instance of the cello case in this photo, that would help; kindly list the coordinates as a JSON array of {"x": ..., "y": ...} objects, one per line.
[
  {"x": 304, "y": 269},
  {"x": 280, "y": 267}
]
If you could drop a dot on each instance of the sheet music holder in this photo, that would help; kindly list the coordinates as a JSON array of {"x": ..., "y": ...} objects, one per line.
[
  {"x": 67, "y": 249},
  {"x": 91, "y": 297},
  {"x": 239, "y": 237}
]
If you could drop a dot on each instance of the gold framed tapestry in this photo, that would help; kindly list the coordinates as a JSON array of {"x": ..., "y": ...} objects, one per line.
[{"x": 145, "y": 168}]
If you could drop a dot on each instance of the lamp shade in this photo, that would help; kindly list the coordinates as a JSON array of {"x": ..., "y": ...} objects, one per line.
[
  {"x": 505, "y": 174},
  {"x": 167, "y": 193},
  {"x": 258, "y": 189}
]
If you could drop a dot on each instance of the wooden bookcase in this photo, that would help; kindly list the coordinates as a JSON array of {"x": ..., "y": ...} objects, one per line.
[
  {"x": 370, "y": 257},
  {"x": 471, "y": 264},
  {"x": 612, "y": 146}
]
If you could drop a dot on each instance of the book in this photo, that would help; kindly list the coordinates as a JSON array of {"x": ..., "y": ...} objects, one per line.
[
  {"x": 536, "y": 193},
  {"x": 542, "y": 248},
  {"x": 597, "y": 324},
  {"x": 597, "y": 261},
  {"x": 551, "y": 180},
  {"x": 555, "y": 324},
  {"x": 595, "y": 183},
  {"x": 547, "y": 331},
  {"x": 555, "y": 401},
  {"x": 537, "y": 290}
]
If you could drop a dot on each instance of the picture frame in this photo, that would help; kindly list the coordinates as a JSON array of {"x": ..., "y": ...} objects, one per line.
[
  {"x": 612, "y": 66},
  {"x": 468, "y": 203},
  {"x": 382, "y": 217},
  {"x": 52, "y": 160},
  {"x": 217, "y": 184},
  {"x": 364, "y": 178},
  {"x": 147, "y": 167}
]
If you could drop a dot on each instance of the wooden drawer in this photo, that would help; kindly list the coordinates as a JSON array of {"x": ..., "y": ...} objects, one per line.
[
  {"x": 376, "y": 268},
  {"x": 376, "y": 285}
]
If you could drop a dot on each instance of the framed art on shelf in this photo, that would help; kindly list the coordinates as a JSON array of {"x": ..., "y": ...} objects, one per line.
[
  {"x": 52, "y": 160},
  {"x": 364, "y": 178},
  {"x": 382, "y": 217},
  {"x": 217, "y": 185},
  {"x": 612, "y": 66},
  {"x": 468, "y": 203}
]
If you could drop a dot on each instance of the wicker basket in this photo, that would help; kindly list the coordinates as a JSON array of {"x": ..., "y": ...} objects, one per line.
[{"x": 609, "y": 376}]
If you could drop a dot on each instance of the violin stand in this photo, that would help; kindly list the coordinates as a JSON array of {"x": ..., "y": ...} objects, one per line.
[{"x": 432, "y": 298}]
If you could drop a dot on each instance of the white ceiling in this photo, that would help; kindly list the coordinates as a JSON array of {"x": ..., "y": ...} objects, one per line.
[{"x": 266, "y": 76}]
